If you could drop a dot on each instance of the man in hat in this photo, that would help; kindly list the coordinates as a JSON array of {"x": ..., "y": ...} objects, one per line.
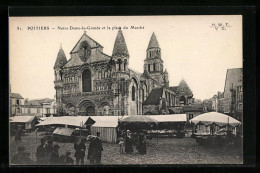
[
  {"x": 49, "y": 149},
  {"x": 97, "y": 149},
  {"x": 80, "y": 151},
  {"x": 41, "y": 152},
  {"x": 21, "y": 158},
  {"x": 91, "y": 149},
  {"x": 55, "y": 158}
]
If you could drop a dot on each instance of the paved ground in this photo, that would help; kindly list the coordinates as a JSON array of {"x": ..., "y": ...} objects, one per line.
[{"x": 165, "y": 151}]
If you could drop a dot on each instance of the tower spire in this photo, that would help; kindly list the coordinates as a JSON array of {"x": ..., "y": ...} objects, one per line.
[
  {"x": 120, "y": 48},
  {"x": 153, "y": 42}
]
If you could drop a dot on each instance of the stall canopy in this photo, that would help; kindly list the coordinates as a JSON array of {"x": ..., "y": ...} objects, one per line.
[
  {"x": 169, "y": 118},
  {"x": 215, "y": 117},
  {"x": 75, "y": 121},
  {"x": 22, "y": 119},
  {"x": 63, "y": 131},
  {"x": 138, "y": 119}
]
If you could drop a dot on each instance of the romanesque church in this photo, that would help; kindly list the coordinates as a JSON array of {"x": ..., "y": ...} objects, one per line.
[{"x": 94, "y": 83}]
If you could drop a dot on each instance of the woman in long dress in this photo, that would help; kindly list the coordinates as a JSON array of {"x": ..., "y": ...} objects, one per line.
[
  {"x": 142, "y": 144},
  {"x": 128, "y": 143}
]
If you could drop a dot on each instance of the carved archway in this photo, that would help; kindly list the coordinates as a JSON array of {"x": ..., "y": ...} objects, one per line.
[{"x": 87, "y": 108}]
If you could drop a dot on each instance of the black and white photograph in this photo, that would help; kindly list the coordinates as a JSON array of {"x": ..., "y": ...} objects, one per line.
[{"x": 126, "y": 90}]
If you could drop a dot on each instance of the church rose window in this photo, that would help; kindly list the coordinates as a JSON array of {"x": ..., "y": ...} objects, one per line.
[{"x": 86, "y": 80}]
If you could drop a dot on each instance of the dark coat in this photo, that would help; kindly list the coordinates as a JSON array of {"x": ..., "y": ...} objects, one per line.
[
  {"x": 80, "y": 149},
  {"x": 18, "y": 136},
  {"x": 142, "y": 144},
  {"x": 95, "y": 148},
  {"x": 67, "y": 160},
  {"x": 128, "y": 145},
  {"x": 21, "y": 159},
  {"x": 55, "y": 158},
  {"x": 41, "y": 154}
]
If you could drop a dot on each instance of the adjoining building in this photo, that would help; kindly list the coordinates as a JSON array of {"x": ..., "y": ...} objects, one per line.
[
  {"x": 94, "y": 83},
  {"x": 16, "y": 101},
  {"x": 39, "y": 107},
  {"x": 233, "y": 93}
]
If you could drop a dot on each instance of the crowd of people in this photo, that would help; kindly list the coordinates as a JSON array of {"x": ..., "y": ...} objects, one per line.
[
  {"x": 48, "y": 153},
  {"x": 126, "y": 142}
]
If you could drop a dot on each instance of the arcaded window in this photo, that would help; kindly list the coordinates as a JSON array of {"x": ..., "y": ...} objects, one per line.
[
  {"x": 154, "y": 66},
  {"x": 133, "y": 93},
  {"x": 119, "y": 64},
  {"x": 86, "y": 80},
  {"x": 125, "y": 63}
]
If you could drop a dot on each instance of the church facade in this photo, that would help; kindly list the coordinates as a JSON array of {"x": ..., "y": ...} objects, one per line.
[{"x": 94, "y": 83}]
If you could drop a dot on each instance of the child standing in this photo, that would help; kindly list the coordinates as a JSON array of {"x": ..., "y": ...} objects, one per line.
[{"x": 121, "y": 145}]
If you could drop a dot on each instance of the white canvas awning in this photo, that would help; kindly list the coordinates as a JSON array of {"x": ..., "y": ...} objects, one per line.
[
  {"x": 105, "y": 121},
  {"x": 63, "y": 131},
  {"x": 215, "y": 117},
  {"x": 76, "y": 121},
  {"x": 170, "y": 118},
  {"x": 21, "y": 119}
]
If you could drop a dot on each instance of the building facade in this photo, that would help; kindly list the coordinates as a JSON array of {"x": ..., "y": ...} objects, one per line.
[
  {"x": 39, "y": 107},
  {"x": 233, "y": 93},
  {"x": 94, "y": 83},
  {"x": 16, "y": 101}
]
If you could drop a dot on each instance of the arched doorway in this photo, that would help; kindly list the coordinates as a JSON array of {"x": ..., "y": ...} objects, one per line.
[
  {"x": 86, "y": 80},
  {"x": 183, "y": 100},
  {"x": 87, "y": 108},
  {"x": 90, "y": 111}
]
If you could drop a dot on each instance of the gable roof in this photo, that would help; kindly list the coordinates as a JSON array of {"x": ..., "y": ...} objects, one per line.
[
  {"x": 154, "y": 97},
  {"x": 182, "y": 85},
  {"x": 16, "y": 95},
  {"x": 87, "y": 38},
  {"x": 120, "y": 48},
  {"x": 153, "y": 42},
  {"x": 233, "y": 77}
]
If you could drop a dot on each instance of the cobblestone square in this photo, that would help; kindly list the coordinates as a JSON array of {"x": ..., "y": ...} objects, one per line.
[{"x": 159, "y": 151}]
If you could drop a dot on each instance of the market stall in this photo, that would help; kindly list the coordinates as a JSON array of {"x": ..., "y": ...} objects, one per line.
[
  {"x": 215, "y": 128},
  {"x": 169, "y": 125},
  {"x": 106, "y": 125},
  {"x": 25, "y": 123}
]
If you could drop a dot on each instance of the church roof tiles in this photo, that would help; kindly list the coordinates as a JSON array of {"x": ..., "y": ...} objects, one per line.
[
  {"x": 153, "y": 42},
  {"x": 61, "y": 59},
  {"x": 154, "y": 96},
  {"x": 120, "y": 48}
]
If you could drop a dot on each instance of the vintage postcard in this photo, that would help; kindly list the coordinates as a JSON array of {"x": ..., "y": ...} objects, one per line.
[{"x": 126, "y": 90}]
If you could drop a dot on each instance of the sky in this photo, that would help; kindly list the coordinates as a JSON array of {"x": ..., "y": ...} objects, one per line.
[{"x": 191, "y": 48}]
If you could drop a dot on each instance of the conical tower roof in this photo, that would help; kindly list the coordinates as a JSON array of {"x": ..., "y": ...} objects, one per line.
[
  {"x": 165, "y": 71},
  {"x": 61, "y": 59},
  {"x": 120, "y": 48},
  {"x": 153, "y": 42}
]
